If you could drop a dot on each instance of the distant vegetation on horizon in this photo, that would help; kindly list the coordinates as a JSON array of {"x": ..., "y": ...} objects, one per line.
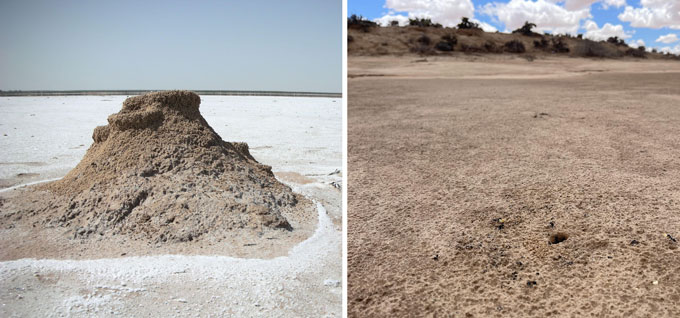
[{"x": 425, "y": 37}]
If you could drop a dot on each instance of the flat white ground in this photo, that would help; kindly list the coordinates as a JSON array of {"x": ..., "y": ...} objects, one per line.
[{"x": 43, "y": 137}]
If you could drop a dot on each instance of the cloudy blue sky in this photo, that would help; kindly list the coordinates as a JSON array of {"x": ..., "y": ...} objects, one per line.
[
  {"x": 652, "y": 23},
  {"x": 291, "y": 45}
]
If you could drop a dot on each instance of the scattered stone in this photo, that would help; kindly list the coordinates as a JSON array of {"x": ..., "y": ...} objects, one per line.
[
  {"x": 531, "y": 283},
  {"x": 331, "y": 283},
  {"x": 634, "y": 242},
  {"x": 436, "y": 257}
]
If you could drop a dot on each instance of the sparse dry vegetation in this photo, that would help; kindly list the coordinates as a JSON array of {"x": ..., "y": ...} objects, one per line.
[
  {"x": 422, "y": 22},
  {"x": 360, "y": 23},
  {"x": 467, "y": 24},
  {"x": 423, "y": 36},
  {"x": 514, "y": 46},
  {"x": 447, "y": 43},
  {"x": 526, "y": 29}
]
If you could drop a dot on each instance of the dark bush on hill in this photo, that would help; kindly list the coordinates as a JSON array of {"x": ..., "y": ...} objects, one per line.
[
  {"x": 467, "y": 24},
  {"x": 542, "y": 44},
  {"x": 558, "y": 46},
  {"x": 394, "y": 23},
  {"x": 639, "y": 52},
  {"x": 447, "y": 43},
  {"x": 615, "y": 40},
  {"x": 360, "y": 23},
  {"x": 492, "y": 48},
  {"x": 424, "y": 39},
  {"x": 444, "y": 46},
  {"x": 514, "y": 46},
  {"x": 422, "y": 45},
  {"x": 422, "y": 22},
  {"x": 526, "y": 29}
]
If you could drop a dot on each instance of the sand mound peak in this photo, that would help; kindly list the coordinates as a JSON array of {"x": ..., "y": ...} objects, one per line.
[{"x": 160, "y": 172}]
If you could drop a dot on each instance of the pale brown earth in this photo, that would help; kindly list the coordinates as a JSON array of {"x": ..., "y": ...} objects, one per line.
[
  {"x": 399, "y": 41},
  {"x": 157, "y": 179},
  {"x": 461, "y": 170}
]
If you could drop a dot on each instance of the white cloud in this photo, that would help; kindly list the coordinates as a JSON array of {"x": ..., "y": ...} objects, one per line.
[
  {"x": 387, "y": 19},
  {"x": 668, "y": 38},
  {"x": 672, "y": 50},
  {"x": 548, "y": 16},
  {"x": 653, "y": 14},
  {"x": 613, "y": 3},
  {"x": 593, "y": 32},
  {"x": 485, "y": 26},
  {"x": 573, "y": 5},
  {"x": 636, "y": 43},
  {"x": 446, "y": 12}
]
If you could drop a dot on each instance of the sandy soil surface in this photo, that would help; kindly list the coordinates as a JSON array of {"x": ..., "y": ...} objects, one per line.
[
  {"x": 203, "y": 280},
  {"x": 462, "y": 174}
]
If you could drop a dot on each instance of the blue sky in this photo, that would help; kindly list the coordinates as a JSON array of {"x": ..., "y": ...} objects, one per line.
[
  {"x": 233, "y": 45},
  {"x": 652, "y": 23}
]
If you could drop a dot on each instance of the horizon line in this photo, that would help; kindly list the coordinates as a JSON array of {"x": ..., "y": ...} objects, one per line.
[{"x": 105, "y": 92}]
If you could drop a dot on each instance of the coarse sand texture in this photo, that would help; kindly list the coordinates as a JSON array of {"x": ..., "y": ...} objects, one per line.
[{"x": 158, "y": 172}]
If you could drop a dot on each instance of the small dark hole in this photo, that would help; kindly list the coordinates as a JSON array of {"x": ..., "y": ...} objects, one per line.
[{"x": 558, "y": 238}]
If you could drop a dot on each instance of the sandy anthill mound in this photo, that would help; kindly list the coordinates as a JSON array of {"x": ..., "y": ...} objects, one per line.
[{"x": 159, "y": 172}]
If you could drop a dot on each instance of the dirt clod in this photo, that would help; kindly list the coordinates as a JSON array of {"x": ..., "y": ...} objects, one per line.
[{"x": 160, "y": 173}]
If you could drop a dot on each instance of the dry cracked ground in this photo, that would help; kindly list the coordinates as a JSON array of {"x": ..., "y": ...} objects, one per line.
[{"x": 499, "y": 187}]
